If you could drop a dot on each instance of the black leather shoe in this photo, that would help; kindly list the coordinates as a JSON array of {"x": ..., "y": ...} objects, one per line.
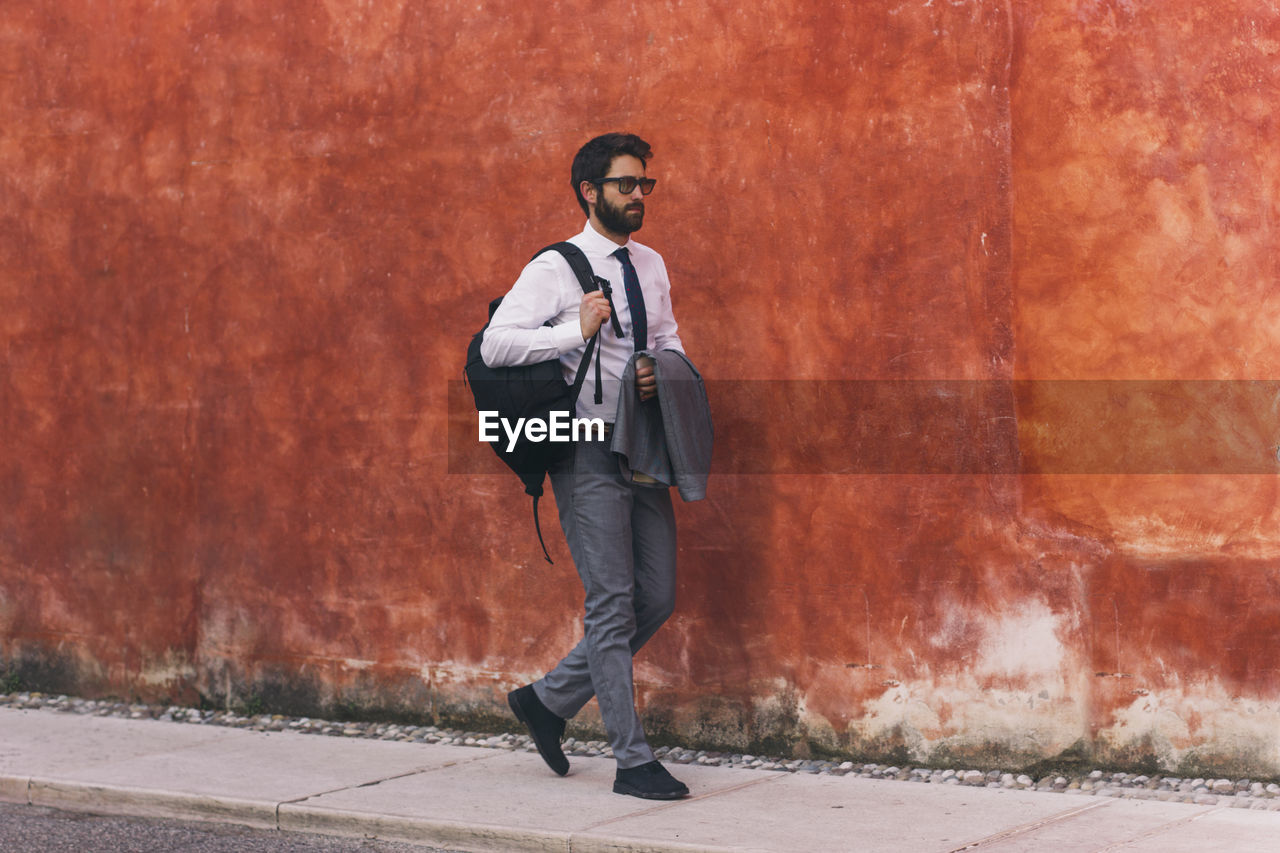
[
  {"x": 649, "y": 781},
  {"x": 546, "y": 728}
]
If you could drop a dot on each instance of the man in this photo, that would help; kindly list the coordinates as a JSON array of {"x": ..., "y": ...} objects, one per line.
[{"x": 621, "y": 534}]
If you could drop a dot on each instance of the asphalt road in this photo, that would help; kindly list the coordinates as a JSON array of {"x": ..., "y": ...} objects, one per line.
[{"x": 32, "y": 829}]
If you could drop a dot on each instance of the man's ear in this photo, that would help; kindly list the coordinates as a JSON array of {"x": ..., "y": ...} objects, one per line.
[{"x": 589, "y": 191}]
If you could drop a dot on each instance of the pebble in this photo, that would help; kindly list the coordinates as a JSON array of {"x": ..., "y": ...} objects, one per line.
[{"x": 1236, "y": 793}]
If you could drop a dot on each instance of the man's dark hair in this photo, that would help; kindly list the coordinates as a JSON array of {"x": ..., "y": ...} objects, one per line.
[{"x": 593, "y": 159}]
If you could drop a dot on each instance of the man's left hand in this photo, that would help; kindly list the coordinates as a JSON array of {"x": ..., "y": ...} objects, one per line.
[{"x": 646, "y": 382}]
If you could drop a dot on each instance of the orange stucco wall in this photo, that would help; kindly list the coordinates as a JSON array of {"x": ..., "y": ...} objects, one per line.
[{"x": 923, "y": 251}]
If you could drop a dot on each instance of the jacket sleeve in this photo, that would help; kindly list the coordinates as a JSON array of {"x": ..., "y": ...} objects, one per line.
[{"x": 686, "y": 417}]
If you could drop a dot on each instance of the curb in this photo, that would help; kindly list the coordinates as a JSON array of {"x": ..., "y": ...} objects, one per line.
[
  {"x": 475, "y": 837},
  {"x": 15, "y": 789},
  {"x": 296, "y": 816},
  {"x": 137, "y": 802}
]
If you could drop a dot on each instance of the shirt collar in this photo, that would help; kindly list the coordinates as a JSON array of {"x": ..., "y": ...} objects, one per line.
[{"x": 594, "y": 241}]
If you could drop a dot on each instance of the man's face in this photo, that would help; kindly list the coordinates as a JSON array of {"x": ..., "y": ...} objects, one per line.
[{"x": 621, "y": 214}]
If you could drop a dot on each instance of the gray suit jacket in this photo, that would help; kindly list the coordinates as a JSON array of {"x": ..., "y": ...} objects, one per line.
[{"x": 670, "y": 438}]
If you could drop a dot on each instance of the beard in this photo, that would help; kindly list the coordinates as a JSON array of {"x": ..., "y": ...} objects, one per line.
[{"x": 619, "y": 219}]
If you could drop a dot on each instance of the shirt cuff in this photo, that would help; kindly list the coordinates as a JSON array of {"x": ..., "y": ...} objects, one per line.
[{"x": 568, "y": 336}]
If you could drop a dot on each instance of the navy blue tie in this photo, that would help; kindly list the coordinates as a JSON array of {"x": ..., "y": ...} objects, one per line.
[{"x": 635, "y": 300}]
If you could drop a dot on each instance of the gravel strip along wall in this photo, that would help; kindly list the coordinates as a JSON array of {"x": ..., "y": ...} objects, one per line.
[{"x": 1238, "y": 793}]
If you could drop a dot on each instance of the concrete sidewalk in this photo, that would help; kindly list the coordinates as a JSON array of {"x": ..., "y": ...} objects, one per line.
[{"x": 500, "y": 800}]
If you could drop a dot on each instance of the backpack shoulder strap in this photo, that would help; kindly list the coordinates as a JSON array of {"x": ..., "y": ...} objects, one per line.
[
  {"x": 588, "y": 281},
  {"x": 587, "y": 277},
  {"x": 578, "y": 262}
]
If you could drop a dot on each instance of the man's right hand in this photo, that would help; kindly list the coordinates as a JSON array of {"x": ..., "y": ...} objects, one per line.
[{"x": 593, "y": 312}]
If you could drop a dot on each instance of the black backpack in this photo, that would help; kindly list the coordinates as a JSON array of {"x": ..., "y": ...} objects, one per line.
[{"x": 534, "y": 390}]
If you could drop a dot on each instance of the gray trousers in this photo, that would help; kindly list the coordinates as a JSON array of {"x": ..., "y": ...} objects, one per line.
[{"x": 623, "y": 541}]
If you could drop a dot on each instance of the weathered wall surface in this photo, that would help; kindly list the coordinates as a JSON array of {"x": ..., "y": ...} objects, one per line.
[
  {"x": 243, "y": 246},
  {"x": 1145, "y": 248}
]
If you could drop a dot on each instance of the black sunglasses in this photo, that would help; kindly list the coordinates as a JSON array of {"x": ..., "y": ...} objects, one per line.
[{"x": 627, "y": 184}]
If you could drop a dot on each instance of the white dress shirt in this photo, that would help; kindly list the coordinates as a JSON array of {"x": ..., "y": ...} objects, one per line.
[{"x": 548, "y": 291}]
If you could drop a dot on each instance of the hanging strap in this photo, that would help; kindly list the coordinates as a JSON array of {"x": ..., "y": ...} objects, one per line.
[
  {"x": 538, "y": 527},
  {"x": 576, "y": 389}
]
